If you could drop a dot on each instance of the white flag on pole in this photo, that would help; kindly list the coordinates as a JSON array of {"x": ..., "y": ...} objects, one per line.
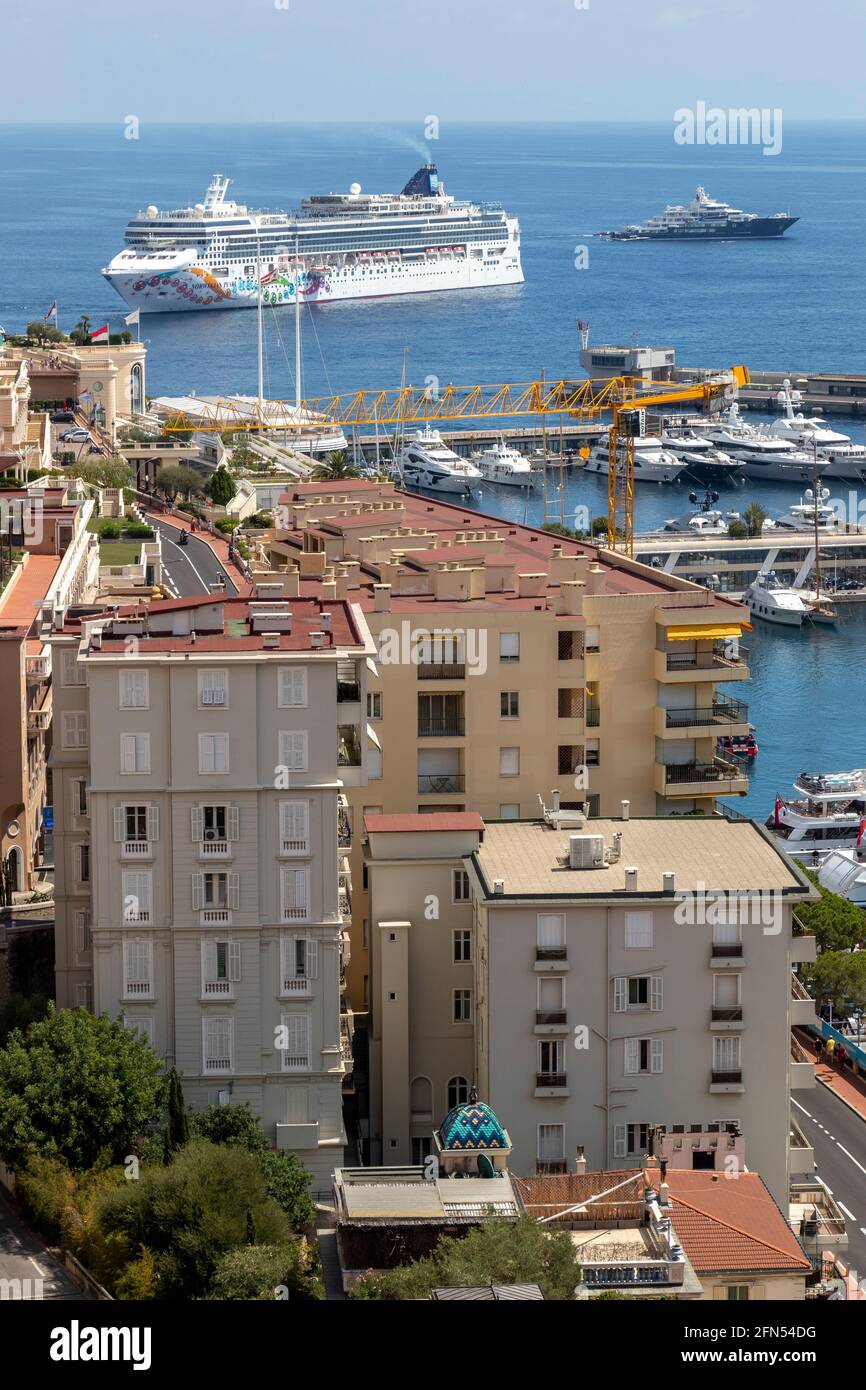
[{"x": 133, "y": 318}]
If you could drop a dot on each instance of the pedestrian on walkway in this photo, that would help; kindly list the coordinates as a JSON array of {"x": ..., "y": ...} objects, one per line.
[
  {"x": 842, "y": 1054},
  {"x": 819, "y": 1049},
  {"x": 831, "y": 1048}
]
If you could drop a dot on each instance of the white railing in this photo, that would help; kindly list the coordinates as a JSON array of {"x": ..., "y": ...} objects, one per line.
[
  {"x": 291, "y": 1063},
  {"x": 295, "y": 846},
  {"x": 137, "y": 914},
  {"x": 136, "y": 849},
  {"x": 212, "y": 915},
  {"x": 291, "y": 985},
  {"x": 295, "y": 914},
  {"x": 138, "y": 988},
  {"x": 39, "y": 667},
  {"x": 214, "y": 849},
  {"x": 218, "y": 1064},
  {"x": 212, "y": 988}
]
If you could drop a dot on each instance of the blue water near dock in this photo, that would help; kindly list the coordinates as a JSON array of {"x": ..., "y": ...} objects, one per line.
[{"x": 67, "y": 192}]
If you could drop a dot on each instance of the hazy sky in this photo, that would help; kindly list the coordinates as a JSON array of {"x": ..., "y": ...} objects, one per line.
[{"x": 402, "y": 60}]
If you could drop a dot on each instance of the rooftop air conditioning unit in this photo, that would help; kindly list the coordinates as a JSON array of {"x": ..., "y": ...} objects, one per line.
[{"x": 586, "y": 851}]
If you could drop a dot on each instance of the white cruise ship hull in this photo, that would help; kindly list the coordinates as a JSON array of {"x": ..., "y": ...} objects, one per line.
[{"x": 184, "y": 286}]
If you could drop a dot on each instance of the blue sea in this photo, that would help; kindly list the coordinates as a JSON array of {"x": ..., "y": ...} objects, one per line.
[{"x": 796, "y": 304}]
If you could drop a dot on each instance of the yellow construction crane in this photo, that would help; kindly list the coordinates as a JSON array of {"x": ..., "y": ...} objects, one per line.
[{"x": 582, "y": 399}]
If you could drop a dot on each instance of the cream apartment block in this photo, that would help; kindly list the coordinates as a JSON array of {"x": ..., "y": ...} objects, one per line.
[
  {"x": 199, "y": 843},
  {"x": 512, "y": 661},
  {"x": 585, "y": 1003}
]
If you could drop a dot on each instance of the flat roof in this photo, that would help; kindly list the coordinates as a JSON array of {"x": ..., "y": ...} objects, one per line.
[
  {"x": 20, "y": 601},
  {"x": 709, "y": 852}
]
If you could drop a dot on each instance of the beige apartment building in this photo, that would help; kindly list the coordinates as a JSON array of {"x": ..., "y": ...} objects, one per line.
[
  {"x": 589, "y": 980},
  {"x": 110, "y": 375},
  {"x": 512, "y": 661},
  {"x": 200, "y": 838}
]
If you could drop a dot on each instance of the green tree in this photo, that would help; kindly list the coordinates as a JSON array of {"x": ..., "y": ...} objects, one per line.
[
  {"x": 288, "y": 1182},
  {"x": 43, "y": 332},
  {"x": 260, "y": 1273},
  {"x": 836, "y": 924},
  {"x": 838, "y": 978},
  {"x": 76, "y": 1087},
  {"x": 103, "y": 472},
  {"x": 192, "y": 1213},
  {"x": 229, "y": 1124},
  {"x": 754, "y": 517},
  {"x": 20, "y": 1011},
  {"x": 335, "y": 467},
  {"x": 499, "y": 1252},
  {"x": 221, "y": 486},
  {"x": 177, "y": 1129},
  {"x": 81, "y": 332},
  {"x": 737, "y": 530},
  {"x": 176, "y": 479}
]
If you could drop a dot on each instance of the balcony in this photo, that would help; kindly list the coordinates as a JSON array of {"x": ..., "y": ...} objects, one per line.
[
  {"x": 801, "y": 1155},
  {"x": 551, "y": 1021},
  {"x": 39, "y": 720},
  {"x": 725, "y": 714},
  {"x": 215, "y": 916},
  {"x": 442, "y": 671},
  {"x": 349, "y": 755},
  {"x": 217, "y": 989},
  {"x": 295, "y": 987},
  {"x": 553, "y": 958},
  {"x": 548, "y": 1167},
  {"x": 803, "y": 948},
  {"x": 344, "y": 895},
  {"x": 137, "y": 989},
  {"x": 726, "y": 1082},
  {"x": 592, "y": 715},
  {"x": 726, "y": 953},
  {"x": 802, "y": 1010},
  {"x": 136, "y": 849},
  {"x": 215, "y": 849},
  {"x": 676, "y": 667},
  {"x": 298, "y": 1136},
  {"x": 442, "y": 783},
  {"x": 801, "y": 1072},
  {"x": 38, "y": 668},
  {"x": 551, "y": 1083},
  {"x": 816, "y": 1219},
  {"x": 344, "y": 823},
  {"x": 449, "y": 726},
  {"x": 715, "y": 778}
]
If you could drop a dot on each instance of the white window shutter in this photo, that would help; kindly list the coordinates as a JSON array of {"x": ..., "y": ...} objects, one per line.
[
  {"x": 209, "y": 959},
  {"x": 233, "y": 822},
  {"x": 657, "y": 1054},
  {"x": 127, "y": 753},
  {"x": 197, "y": 892},
  {"x": 118, "y": 822},
  {"x": 632, "y": 1056},
  {"x": 153, "y": 822},
  {"x": 287, "y": 956},
  {"x": 619, "y": 1146},
  {"x": 619, "y": 994},
  {"x": 656, "y": 993},
  {"x": 234, "y": 891},
  {"x": 312, "y": 959},
  {"x": 234, "y": 960},
  {"x": 196, "y": 817}
]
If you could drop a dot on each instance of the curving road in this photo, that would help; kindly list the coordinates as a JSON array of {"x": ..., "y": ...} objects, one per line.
[
  {"x": 27, "y": 1268},
  {"x": 838, "y": 1137},
  {"x": 189, "y": 569}
]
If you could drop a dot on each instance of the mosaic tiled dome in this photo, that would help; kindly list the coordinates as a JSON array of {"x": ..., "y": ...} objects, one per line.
[{"x": 472, "y": 1126}]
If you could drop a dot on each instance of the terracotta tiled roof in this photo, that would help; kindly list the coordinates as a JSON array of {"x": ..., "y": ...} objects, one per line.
[
  {"x": 729, "y": 1224},
  {"x": 436, "y": 820}
]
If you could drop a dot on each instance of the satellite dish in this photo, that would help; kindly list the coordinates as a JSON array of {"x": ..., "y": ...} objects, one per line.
[{"x": 485, "y": 1167}]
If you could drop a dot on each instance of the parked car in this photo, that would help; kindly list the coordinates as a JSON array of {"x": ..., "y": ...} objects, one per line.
[
  {"x": 61, "y": 417},
  {"x": 75, "y": 436}
]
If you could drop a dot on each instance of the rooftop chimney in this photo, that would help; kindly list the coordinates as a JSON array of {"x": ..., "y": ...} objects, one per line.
[
  {"x": 571, "y": 597},
  {"x": 555, "y": 795},
  {"x": 531, "y": 585},
  {"x": 631, "y": 880},
  {"x": 317, "y": 640},
  {"x": 669, "y": 882},
  {"x": 325, "y": 619},
  {"x": 626, "y": 807},
  {"x": 382, "y": 598},
  {"x": 580, "y": 1160},
  {"x": 499, "y": 886}
]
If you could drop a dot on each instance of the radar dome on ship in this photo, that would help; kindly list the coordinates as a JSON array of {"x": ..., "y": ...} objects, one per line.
[
  {"x": 199, "y": 207},
  {"x": 354, "y": 189},
  {"x": 152, "y": 211}
]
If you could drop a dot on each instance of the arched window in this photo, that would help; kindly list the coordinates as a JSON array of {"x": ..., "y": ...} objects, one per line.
[
  {"x": 458, "y": 1091},
  {"x": 421, "y": 1098},
  {"x": 135, "y": 393}
]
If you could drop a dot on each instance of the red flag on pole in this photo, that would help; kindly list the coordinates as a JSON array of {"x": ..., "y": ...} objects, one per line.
[
  {"x": 100, "y": 335},
  {"x": 778, "y": 808}
]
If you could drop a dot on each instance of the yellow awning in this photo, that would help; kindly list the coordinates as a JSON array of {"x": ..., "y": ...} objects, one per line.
[{"x": 703, "y": 634}]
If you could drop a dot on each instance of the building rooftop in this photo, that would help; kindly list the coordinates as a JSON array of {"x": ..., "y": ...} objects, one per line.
[
  {"x": 729, "y": 1224},
  {"x": 709, "y": 852},
  {"x": 405, "y": 1196},
  {"x": 21, "y": 601},
  {"x": 489, "y": 1293},
  {"x": 412, "y": 822}
]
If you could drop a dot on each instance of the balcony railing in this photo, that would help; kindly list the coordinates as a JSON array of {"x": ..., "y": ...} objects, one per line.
[
  {"x": 733, "y": 1014},
  {"x": 727, "y": 1078},
  {"x": 38, "y": 668},
  {"x": 136, "y": 849},
  {"x": 137, "y": 989},
  {"x": 214, "y": 849},
  {"x": 344, "y": 830},
  {"x": 722, "y": 711},
  {"x": 549, "y": 1016},
  {"x": 550, "y": 1078},
  {"x": 215, "y": 916},
  {"x": 727, "y": 950},
  {"x": 348, "y": 691},
  {"x": 450, "y": 726},
  {"x": 299, "y": 984},
  {"x": 714, "y": 660},
  {"x": 441, "y": 782},
  {"x": 592, "y": 716},
  {"x": 217, "y": 989},
  {"x": 799, "y": 990},
  {"x": 442, "y": 671},
  {"x": 551, "y": 953},
  {"x": 719, "y": 770},
  {"x": 546, "y": 1166}
]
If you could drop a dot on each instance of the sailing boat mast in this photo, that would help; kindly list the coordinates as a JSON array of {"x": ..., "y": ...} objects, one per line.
[
  {"x": 261, "y": 331},
  {"x": 297, "y": 332}
]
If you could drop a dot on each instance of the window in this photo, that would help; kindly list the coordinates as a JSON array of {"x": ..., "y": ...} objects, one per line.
[
  {"x": 137, "y": 968},
  {"x": 458, "y": 1091},
  {"x": 726, "y": 990},
  {"x": 509, "y": 646},
  {"x": 550, "y": 997},
  {"x": 643, "y": 1055},
  {"x": 570, "y": 645},
  {"x": 217, "y": 1044},
  {"x": 509, "y": 810},
  {"x": 630, "y": 1140},
  {"x": 294, "y": 827},
  {"x": 297, "y": 1105},
  {"x": 509, "y": 704},
  {"x": 295, "y": 894},
  {"x": 136, "y": 825},
  {"x": 591, "y": 641},
  {"x": 592, "y": 752},
  {"x": 292, "y": 751},
  {"x": 141, "y": 1024},
  {"x": 135, "y": 753},
  {"x": 638, "y": 931},
  {"x": 551, "y": 1143},
  {"x": 460, "y": 886},
  {"x": 134, "y": 689},
  {"x": 214, "y": 825},
  {"x": 220, "y": 967},
  {"x": 83, "y": 932},
  {"x": 74, "y": 729},
  {"x": 73, "y": 672},
  {"x": 550, "y": 931},
  {"x": 737, "y": 1293},
  {"x": 213, "y": 687},
  {"x": 462, "y": 945},
  {"x": 509, "y": 762},
  {"x": 727, "y": 934},
  {"x": 213, "y": 753},
  {"x": 299, "y": 961},
  {"x": 374, "y": 704},
  {"x": 551, "y": 1057},
  {"x": 638, "y": 992},
  {"x": 461, "y": 1006},
  {"x": 137, "y": 896},
  {"x": 295, "y": 1042},
  {"x": 79, "y": 797},
  {"x": 215, "y": 893},
  {"x": 726, "y": 1055},
  {"x": 84, "y": 863},
  {"x": 292, "y": 686},
  {"x": 421, "y": 1149},
  {"x": 83, "y": 995}
]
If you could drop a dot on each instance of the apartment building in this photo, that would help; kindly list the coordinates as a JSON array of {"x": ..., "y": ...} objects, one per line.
[
  {"x": 590, "y": 981},
  {"x": 109, "y": 376},
  {"x": 52, "y": 559},
  {"x": 199, "y": 842},
  {"x": 511, "y": 661}
]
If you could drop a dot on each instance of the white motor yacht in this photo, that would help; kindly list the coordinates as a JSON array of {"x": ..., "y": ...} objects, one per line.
[
  {"x": 825, "y": 816},
  {"x": 768, "y": 598},
  {"x": 763, "y": 454},
  {"x": 811, "y": 510},
  {"x": 703, "y": 458},
  {"x": 652, "y": 463},
  {"x": 844, "y": 458},
  {"x": 500, "y": 463},
  {"x": 426, "y": 461}
]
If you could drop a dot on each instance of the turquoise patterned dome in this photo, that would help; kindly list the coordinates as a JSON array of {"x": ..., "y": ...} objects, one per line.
[{"x": 472, "y": 1126}]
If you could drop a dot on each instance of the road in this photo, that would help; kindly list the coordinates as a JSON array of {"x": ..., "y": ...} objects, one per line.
[
  {"x": 188, "y": 569},
  {"x": 24, "y": 1257},
  {"x": 838, "y": 1137}
]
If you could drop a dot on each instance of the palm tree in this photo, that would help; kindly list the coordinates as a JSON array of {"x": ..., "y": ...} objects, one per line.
[{"x": 335, "y": 467}]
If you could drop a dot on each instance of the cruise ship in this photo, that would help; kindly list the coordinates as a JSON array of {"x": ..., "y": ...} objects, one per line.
[
  {"x": 219, "y": 253},
  {"x": 703, "y": 219}
]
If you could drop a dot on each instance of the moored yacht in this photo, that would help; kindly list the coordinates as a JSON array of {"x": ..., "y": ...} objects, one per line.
[
  {"x": 845, "y": 459},
  {"x": 426, "y": 461},
  {"x": 768, "y": 598},
  {"x": 763, "y": 454},
  {"x": 652, "y": 463},
  {"x": 827, "y": 814},
  {"x": 703, "y": 458},
  {"x": 810, "y": 512},
  {"x": 500, "y": 463}
]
